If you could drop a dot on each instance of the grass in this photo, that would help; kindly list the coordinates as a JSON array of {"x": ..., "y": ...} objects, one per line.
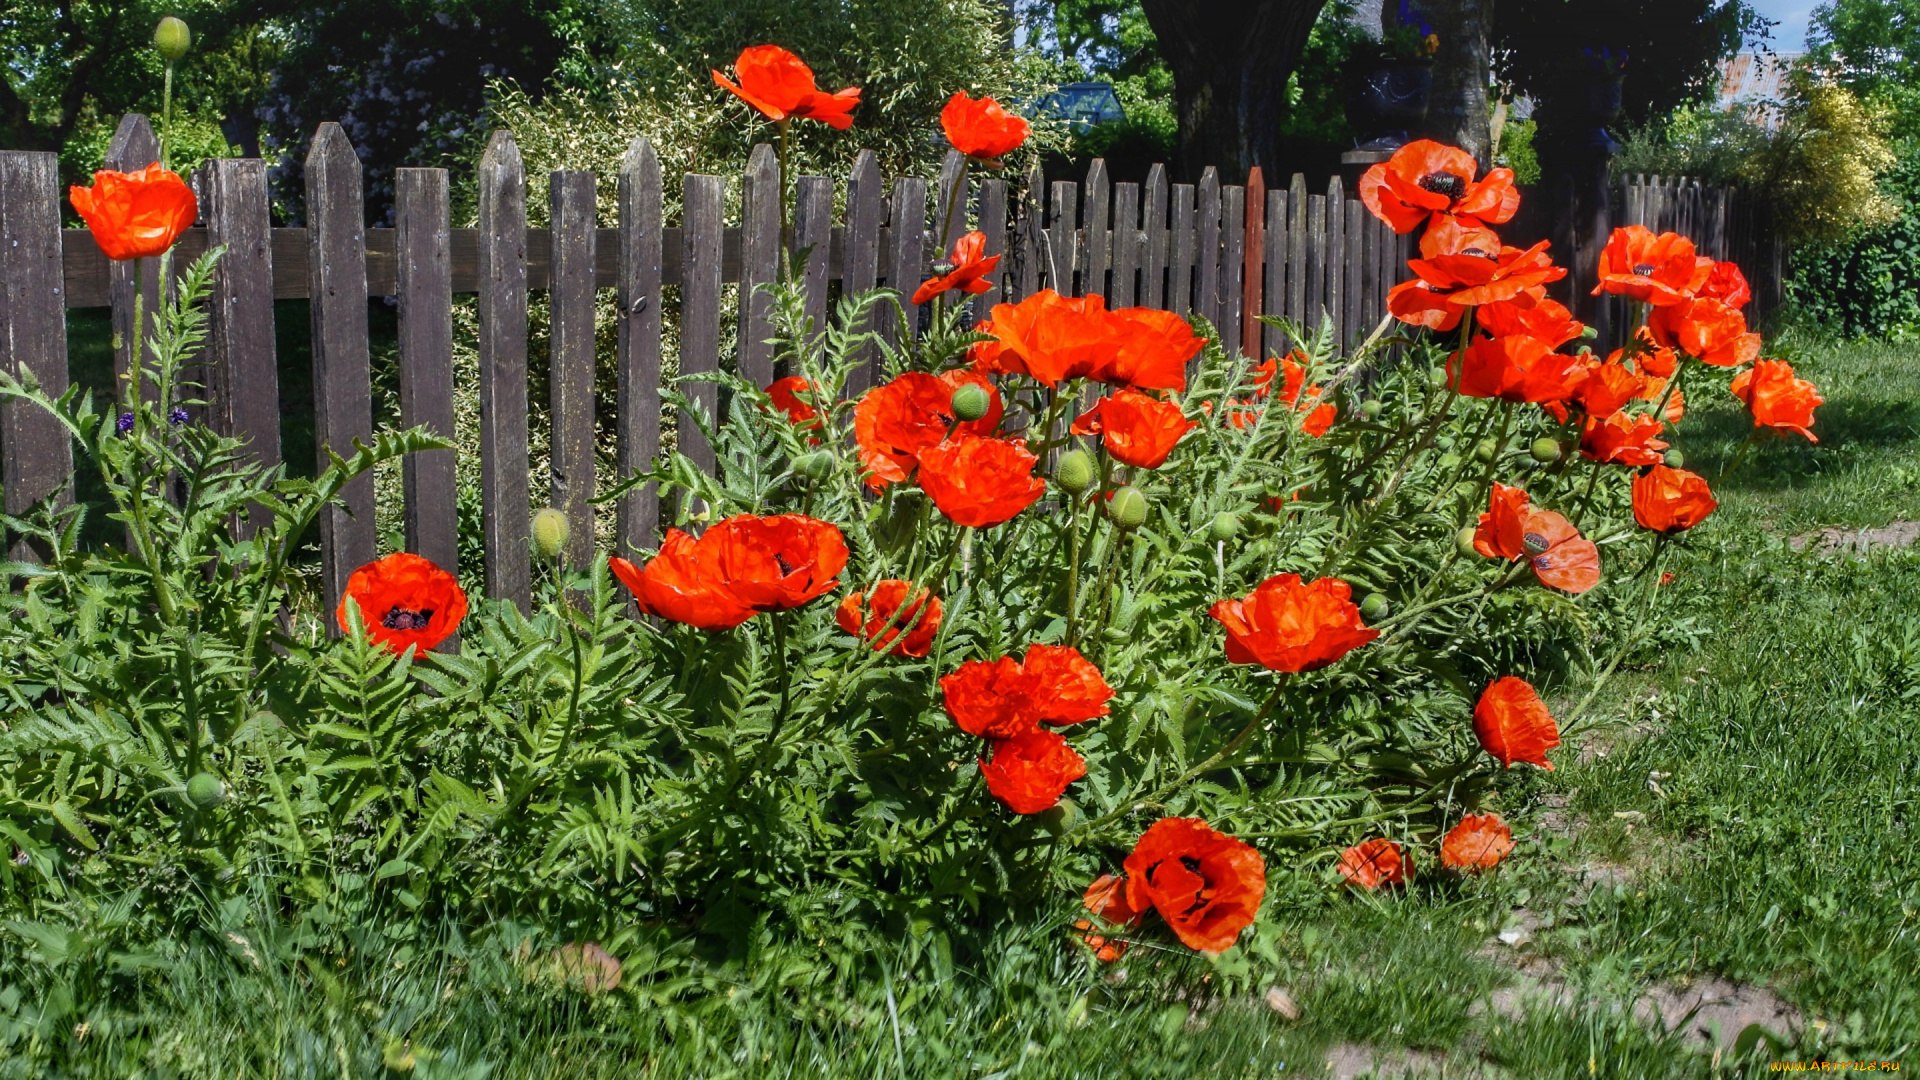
[{"x": 1744, "y": 808}]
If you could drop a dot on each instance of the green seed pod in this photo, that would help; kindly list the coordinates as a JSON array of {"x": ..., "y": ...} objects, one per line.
[
  {"x": 1534, "y": 543},
  {"x": 1438, "y": 377},
  {"x": 1375, "y": 607},
  {"x": 1464, "y": 541},
  {"x": 1225, "y": 526},
  {"x": 1128, "y": 509},
  {"x": 816, "y": 466},
  {"x": 172, "y": 39},
  {"x": 1372, "y": 408},
  {"x": 1074, "y": 472},
  {"x": 1116, "y": 635},
  {"x": 550, "y": 531},
  {"x": 1589, "y": 332},
  {"x": 205, "y": 791},
  {"x": 1544, "y": 450},
  {"x": 971, "y": 401},
  {"x": 1485, "y": 450},
  {"x": 1059, "y": 817},
  {"x": 1675, "y": 459}
]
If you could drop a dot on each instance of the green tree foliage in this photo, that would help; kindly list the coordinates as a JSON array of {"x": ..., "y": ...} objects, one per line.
[{"x": 1873, "y": 48}]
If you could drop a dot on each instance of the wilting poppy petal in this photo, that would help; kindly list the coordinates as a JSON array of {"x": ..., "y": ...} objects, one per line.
[
  {"x": 1205, "y": 884},
  {"x": 1374, "y": 863},
  {"x": 1286, "y": 625},
  {"x": 1479, "y": 842},
  {"x": 405, "y": 601},
  {"x": 1106, "y": 898},
  {"x": 1513, "y": 724},
  {"x": 135, "y": 215},
  {"x": 1030, "y": 771},
  {"x": 1776, "y": 398}
]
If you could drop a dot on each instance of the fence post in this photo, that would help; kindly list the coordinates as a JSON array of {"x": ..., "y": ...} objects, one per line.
[
  {"x": 243, "y": 378},
  {"x": 861, "y": 265},
  {"x": 700, "y": 270},
  {"x": 503, "y": 371},
  {"x": 813, "y": 234},
  {"x": 760, "y": 239},
  {"x": 1180, "y": 298},
  {"x": 423, "y": 256},
  {"x": 570, "y": 381},
  {"x": 33, "y": 332},
  {"x": 1253, "y": 270},
  {"x": 993, "y": 223},
  {"x": 1095, "y": 207},
  {"x": 1206, "y": 298},
  {"x": 342, "y": 383},
  {"x": 642, "y": 231},
  {"x": 1153, "y": 266}
]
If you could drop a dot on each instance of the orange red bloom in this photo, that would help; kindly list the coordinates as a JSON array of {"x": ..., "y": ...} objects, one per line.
[
  {"x": 980, "y": 482},
  {"x": 1661, "y": 270},
  {"x": 1286, "y": 625},
  {"x": 1153, "y": 351},
  {"x": 1136, "y": 429},
  {"x": 742, "y": 565},
  {"x": 1374, "y": 863},
  {"x": 1051, "y": 338},
  {"x": 1425, "y": 179},
  {"x": 1623, "y": 440},
  {"x": 998, "y": 699},
  {"x": 1727, "y": 284},
  {"x": 780, "y": 86},
  {"x": 1671, "y": 500},
  {"x": 786, "y": 397},
  {"x": 1205, "y": 884},
  {"x": 135, "y": 215},
  {"x": 1513, "y": 724},
  {"x": 1106, "y": 898},
  {"x": 1609, "y": 387},
  {"x": 1071, "y": 689},
  {"x": 1030, "y": 771},
  {"x": 1544, "y": 320},
  {"x": 971, "y": 265},
  {"x": 1706, "y": 329},
  {"x": 1776, "y": 398},
  {"x": 891, "y": 619},
  {"x": 1559, "y": 556},
  {"x": 1516, "y": 369},
  {"x": 1479, "y": 842},
  {"x": 982, "y": 129},
  {"x": 894, "y": 422},
  {"x": 405, "y": 601}
]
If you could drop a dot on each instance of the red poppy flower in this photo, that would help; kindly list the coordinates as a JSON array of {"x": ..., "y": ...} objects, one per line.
[
  {"x": 1471, "y": 267},
  {"x": 1051, "y": 338},
  {"x": 1544, "y": 320},
  {"x": 1374, "y": 863},
  {"x": 1776, "y": 398},
  {"x": 894, "y": 422},
  {"x": 780, "y": 85},
  {"x": 405, "y": 602},
  {"x": 1479, "y": 842},
  {"x": 135, "y": 215},
  {"x": 1285, "y": 625},
  {"x": 1030, "y": 771},
  {"x": 1512, "y": 529},
  {"x": 742, "y": 565},
  {"x": 1609, "y": 387},
  {"x": 1660, "y": 270},
  {"x": 1426, "y": 179},
  {"x": 1106, "y": 898},
  {"x": 1671, "y": 500},
  {"x": 971, "y": 265},
  {"x": 1152, "y": 350},
  {"x": 982, "y": 129},
  {"x": 1513, "y": 724},
  {"x": 1516, "y": 369},
  {"x": 786, "y": 397},
  {"x": 1624, "y": 440},
  {"x": 1727, "y": 284},
  {"x": 1136, "y": 429},
  {"x": 991, "y": 699},
  {"x": 1296, "y": 393},
  {"x": 1706, "y": 329},
  {"x": 1205, "y": 884},
  {"x": 679, "y": 585},
  {"x": 882, "y": 622},
  {"x": 1070, "y": 688},
  {"x": 980, "y": 482}
]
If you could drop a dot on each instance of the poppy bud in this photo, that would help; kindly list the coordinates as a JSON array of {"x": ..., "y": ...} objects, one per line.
[
  {"x": 1375, "y": 607},
  {"x": 1544, "y": 450},
  {"x": 1128, "y": 508},
  {"x": 1438, "y": 377},
  {"x": 1372, "y": 408},
  {"x": 1485, "y": 450},
  {"x": 1074, "y": 472},
  {"x": 1059, "y": 817},
  {"x": 816, "y": 466},
  {"x": 1464, "y": 541},
  {"x": 1225, "y": 526},
  {"x": 205, "y": 791},
  {"x": 1675, "y": 459},
  {"x": 172, "y": 38},
  {"x": 971, "y": 402},
  {"x": 1116, "y": 635},
  {"x": 1588, "y": 333},
  {"x": 550, "y": 531}
]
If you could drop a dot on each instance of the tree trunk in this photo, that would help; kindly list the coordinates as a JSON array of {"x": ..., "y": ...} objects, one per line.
[
  {"x": 1230, "y": 61},
  {"x": 1461, "y": 70}
]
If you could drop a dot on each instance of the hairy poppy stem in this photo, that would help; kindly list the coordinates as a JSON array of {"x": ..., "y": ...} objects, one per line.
[
  {"x": 1073, "y": 569},
  {"x": 1739, "y": 457},
  {"x": 1653, "y": 591}
]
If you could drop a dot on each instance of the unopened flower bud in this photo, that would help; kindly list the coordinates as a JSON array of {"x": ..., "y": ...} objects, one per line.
[
  {"x": 1225, "y": 526},
  {"x": 1544, "y": 450},
  {"x": 172, "y": 38},
  {"x": 1485, "y": 450},
  {"x": 1372, "y": 408},
  {"x": 971, "y": 401},
  {"x": 1059, "y": 817},
  {"x": 1588, "y": 333},
  {"x": 205, "y": 791},
  {"x": 1374, "y": 607},
  {"x": 1464, "y": 541},
  {"x": 1128, "y": 508},
  {"x": 550, "y": 531},
  {"x": 816, "y": 466},
  {"x": 1438, "y": 377},
  {"x": 1675, "y": 459},
  {"x": 1074, "y": 472}
]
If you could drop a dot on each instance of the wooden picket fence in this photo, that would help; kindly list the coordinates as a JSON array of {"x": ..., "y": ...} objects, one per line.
[{"x": 1227, "y": 252}]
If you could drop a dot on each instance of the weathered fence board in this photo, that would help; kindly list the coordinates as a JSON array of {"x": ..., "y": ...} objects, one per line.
[
  {"x": 639, "y": 303},
  {"x": 1253, "y": 272},
  {"x": 33, "y": 330},
  {"x": 1153, "y": 266},
  {"x": 503, "y": 371},
  {"x": 760, "y": 239},
  {"x": 993, "y": 225},
  {"x": 243, "y": 379},
  {"x": 701, "y": 198},
  {"x": 812, "y": 233},
  {"x": 1098, "y": 215},
  {"x": 1206, "y": 294},
  {"x": 570, "y": 375},
  {"x": 866, "y": 206},
  {"x": 421, "y": 203},
  {"x": 1126, "y": 246}
]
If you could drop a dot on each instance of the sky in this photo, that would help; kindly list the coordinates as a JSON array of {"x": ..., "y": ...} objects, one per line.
[{"x": 1791, "y": 34}]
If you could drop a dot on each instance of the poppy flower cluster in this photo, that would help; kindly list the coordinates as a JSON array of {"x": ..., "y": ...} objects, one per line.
[
  {"x": 1294, "y": 392},
  {"x": 1052, "y": 338},
  {"x": 1206, "y": 885},
  {"x": 1006, "y": 702},
  {"x": 1373, "y": 863},
  {"x": 736, "y": 569}
]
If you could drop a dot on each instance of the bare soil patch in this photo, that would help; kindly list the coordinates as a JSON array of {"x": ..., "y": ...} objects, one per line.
[{"x": 1859, "y": 541}]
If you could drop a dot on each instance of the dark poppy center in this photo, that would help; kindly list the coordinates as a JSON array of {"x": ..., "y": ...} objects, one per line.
[
  {"x": 1536, "y": 544},
  {"x": 1642, "y": 269},
  {"x": 1444, "y": 183},
  {"x": 785, "y": 566},
  {"x": 1542, "y": 562},
  {"x": 399, "y": 618}
]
